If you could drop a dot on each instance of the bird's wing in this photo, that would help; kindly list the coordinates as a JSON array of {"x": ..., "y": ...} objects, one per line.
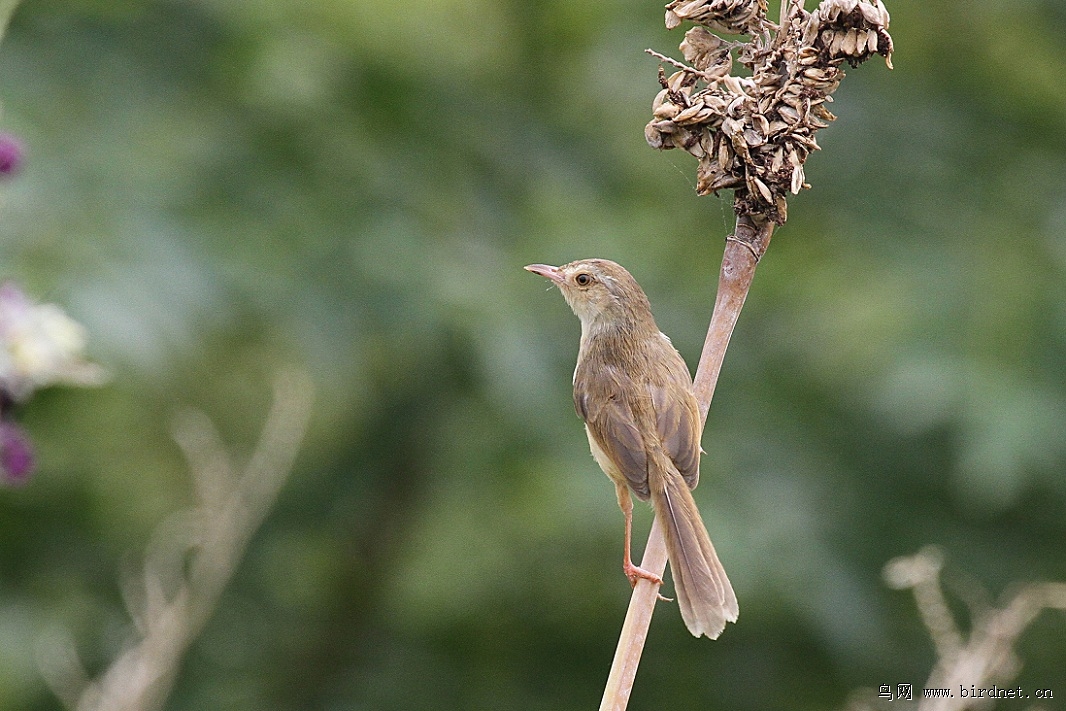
[
  {"x": 678, "y": 424},
  {"x": 610, "y": 422}
]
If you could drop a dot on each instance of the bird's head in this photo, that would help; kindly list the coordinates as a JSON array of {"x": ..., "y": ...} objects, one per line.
[{"x": 601, "y": 293}]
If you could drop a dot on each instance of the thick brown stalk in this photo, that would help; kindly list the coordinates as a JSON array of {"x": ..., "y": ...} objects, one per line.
[{"x": 743, "y": 249}]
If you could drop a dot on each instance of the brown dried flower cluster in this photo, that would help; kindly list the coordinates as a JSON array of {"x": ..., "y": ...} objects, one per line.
[
  {"x": 735, "y": 17},
  {"x": 753, "y": 134}
]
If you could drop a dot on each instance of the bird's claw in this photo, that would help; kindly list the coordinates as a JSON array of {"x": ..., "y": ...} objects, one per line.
[{"x": 635, "y": 573}]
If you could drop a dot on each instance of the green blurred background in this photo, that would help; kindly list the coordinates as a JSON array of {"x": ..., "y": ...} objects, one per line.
[{"x": 219, "y": 189}]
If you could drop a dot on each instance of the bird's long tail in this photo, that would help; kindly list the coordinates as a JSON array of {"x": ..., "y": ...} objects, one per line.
[{"x": 704, "y": 594}]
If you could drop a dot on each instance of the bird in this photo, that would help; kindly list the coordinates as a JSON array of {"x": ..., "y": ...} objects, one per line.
[{"x": 634, "y": 393}]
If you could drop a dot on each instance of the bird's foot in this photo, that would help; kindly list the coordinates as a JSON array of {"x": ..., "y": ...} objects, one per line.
[{"x": 635, "y": 573}]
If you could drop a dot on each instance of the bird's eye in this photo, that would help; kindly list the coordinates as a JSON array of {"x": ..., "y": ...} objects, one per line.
[{"x": 583, "y": 279}]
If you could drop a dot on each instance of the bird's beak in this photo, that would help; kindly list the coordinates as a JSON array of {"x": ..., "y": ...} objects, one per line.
[{"x": 547, "y": 271}]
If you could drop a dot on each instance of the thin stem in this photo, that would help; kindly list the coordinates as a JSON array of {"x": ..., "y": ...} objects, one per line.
[
  {"x": 635, "y": 627},
  {"x": 743, "y": 249},
  {"x": 141, "y": 678},
  {"x": 988, "y": 654},
  {"x": 784, "y": 9}
]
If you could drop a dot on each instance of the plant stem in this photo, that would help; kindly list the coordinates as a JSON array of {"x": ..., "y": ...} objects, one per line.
[
  {"x": 635, "y": 627},
  {"x": 743, "y": 249},
  {"x": 219, "y": 531}
]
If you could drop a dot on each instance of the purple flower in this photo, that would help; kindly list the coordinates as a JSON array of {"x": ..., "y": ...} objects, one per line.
[
  {"x": 16, "y": 454},
  {"x": 39, "y": 346},
  {"x": 11, "y": 154}
]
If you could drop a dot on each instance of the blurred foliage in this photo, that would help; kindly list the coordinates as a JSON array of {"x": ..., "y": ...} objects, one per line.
[{"x": 217, "y": 189}]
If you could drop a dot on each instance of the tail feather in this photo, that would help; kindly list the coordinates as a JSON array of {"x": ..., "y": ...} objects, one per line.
[{"x": 704, "y": 594}]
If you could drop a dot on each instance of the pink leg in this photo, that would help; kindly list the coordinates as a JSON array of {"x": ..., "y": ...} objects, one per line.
[{"x": 633, "y": 572}]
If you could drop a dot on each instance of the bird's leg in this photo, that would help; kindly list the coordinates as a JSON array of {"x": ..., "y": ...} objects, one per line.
[{"x": 633, "y": 572}]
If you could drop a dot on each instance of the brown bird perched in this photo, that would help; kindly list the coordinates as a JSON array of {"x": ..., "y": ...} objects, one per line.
[{"x": 634, "y": 392}]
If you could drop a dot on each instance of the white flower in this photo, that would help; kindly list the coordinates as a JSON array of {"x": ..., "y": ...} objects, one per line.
[{"x": 39, "y": 346}]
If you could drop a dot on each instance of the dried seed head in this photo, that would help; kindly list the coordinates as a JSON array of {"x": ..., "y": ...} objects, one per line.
[
  {"x": 753, "y": 134},
  {"x": 853, "y": 30},
  {"x": 734, "y": 17}
]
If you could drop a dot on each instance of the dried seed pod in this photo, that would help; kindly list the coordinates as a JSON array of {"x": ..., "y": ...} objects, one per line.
[
  {"x": 753, "y": 138},
  {"x": 788, "y": 113},
  {"x": 655, "y": 137},
  {"x": 776, "y": 127},
  {"x": 819, "y": 111},
  {"x": 844, "y": 27},
  {"x": 739, "y": 86},
  {"x": 693, "y": 146},
  {"x": 659, "y": 99},
  {"x": 871, "y": 42},
  {"x": 874, "y": 13},
  {"x": 736, "y": 17},
  {"x": 667, "y": 110},
  {"x": 718, "y": 71},
  {"x": 797, "y": 179},
  {"x": 781, "y": 208},
  {"x": 778, "y": 160},
  {"x": 725, "y": 155},
  {"x": 688, "y": 114},
  {"x": 807, "y": 142},
  {"x": 707, "y": 140},
  {"x": 763, "y": 191},
  {"x": 702, "y": 49}
]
